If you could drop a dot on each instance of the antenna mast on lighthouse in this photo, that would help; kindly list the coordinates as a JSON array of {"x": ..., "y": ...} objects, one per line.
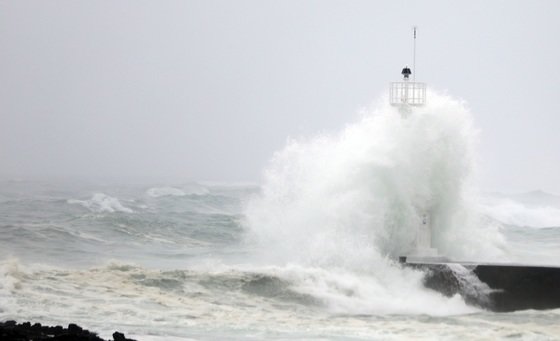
[{"x": 414, "y": 57}]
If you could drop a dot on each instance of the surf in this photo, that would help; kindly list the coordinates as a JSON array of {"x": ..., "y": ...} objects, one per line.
[{"x": 354, "y": 201}]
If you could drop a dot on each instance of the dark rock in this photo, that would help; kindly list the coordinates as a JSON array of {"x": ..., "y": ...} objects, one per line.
[
  {"x": 11, "y": 331},
  {"x": 74, "y": 329},
  {"x": 57, "y": 330},
  {"x": 441, "y": 279},
  {"x": 118, "y": 336},
  {"x": 67, "y": 337},
  {"x": 455, "y": 279}
]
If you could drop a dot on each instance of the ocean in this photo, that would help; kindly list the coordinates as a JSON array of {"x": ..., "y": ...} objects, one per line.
[{"x": 307, "y": 253}]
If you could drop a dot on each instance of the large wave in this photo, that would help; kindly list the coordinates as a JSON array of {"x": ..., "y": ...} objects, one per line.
[
  {"x": 355, "y": 200},
  {"x": 361, "y": 194}
]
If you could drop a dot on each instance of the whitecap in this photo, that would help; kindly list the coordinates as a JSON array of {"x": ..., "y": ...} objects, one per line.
[
  {"x": 156, "y": 192},
  {"x": 101, "y": 202}
]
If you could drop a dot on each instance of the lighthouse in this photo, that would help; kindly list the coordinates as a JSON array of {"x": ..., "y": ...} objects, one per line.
[
  {"x": 405, "y": 95},
  {"x": 500, "y": 287}
]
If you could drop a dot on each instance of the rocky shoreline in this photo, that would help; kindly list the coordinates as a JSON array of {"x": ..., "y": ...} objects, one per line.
[{"x": 12, "y": 331}]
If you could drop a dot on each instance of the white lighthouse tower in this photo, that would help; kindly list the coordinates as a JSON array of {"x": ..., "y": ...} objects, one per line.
[{"x": 405, "y": 95}]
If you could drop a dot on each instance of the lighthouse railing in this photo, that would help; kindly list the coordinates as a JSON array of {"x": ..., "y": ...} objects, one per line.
[{"x": 411, "y": 93}]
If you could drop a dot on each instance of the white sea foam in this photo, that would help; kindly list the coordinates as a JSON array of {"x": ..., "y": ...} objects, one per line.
[
  {"x": 100, "y": 202},
  {"x": 117, "y": 295},
  {"x": 391, "y": 291},
  {"x": 249, "y": 301}
]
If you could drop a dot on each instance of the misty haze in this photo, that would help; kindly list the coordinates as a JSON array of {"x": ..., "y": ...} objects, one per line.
[{"x": 199, "y": 170}]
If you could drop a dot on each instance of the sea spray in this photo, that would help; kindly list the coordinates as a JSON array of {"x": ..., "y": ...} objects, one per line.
[
  {"x": 362, "y": 193},
  {"x": 354, "y": 201}
]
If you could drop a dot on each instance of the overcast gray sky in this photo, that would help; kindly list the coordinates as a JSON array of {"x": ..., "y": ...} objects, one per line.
[{"x": 208, "y": 90}]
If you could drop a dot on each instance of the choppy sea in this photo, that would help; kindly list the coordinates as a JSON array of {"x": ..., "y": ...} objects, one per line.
[
  {"x": 174, "y": 262},
  {"x": 308, "y": 253}
]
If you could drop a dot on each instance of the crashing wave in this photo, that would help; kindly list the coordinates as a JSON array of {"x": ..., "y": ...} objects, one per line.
[
  {"x": 359, "y": 196},
  {"x": 355, "y": 201}
]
